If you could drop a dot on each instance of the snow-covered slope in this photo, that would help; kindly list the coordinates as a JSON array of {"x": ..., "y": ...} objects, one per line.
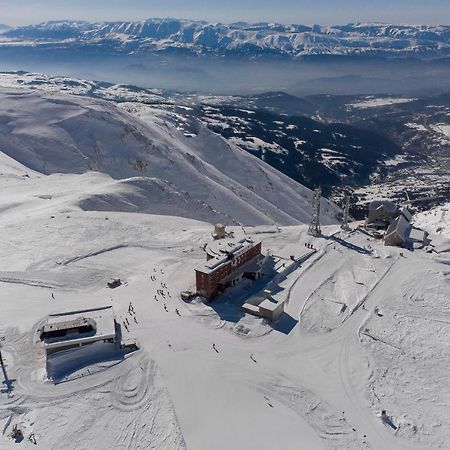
[
  {"x": 436, "y": 220},
  {"x": 365, "y": 328},
  {"x": 363, "y": 333},
  {"x": 160, "y": 170},
  {"x": 241, "y": 38}
]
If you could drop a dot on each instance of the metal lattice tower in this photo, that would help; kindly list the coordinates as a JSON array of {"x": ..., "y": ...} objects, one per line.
[
  {"x": 314, "y": 226},
  {"x": 345, "y": 217}
]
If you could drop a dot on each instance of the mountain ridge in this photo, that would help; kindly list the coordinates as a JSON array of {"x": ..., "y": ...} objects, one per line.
[{"x": 271, "y": 39}]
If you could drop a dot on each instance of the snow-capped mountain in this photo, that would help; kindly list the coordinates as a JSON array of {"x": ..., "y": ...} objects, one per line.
[{"x": 245, "y": 39}]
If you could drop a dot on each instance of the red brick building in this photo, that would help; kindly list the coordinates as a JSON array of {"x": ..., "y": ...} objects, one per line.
[{"x": 227, "y": 263}]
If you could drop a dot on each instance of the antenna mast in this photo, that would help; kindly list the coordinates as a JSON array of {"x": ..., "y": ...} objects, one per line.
[
  {"x": 314, "y": 226},
  {"x": 345, "y": 217}
]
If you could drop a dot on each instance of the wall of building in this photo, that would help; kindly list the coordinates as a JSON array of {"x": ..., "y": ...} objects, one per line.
[{"x": 208, "y": 284}]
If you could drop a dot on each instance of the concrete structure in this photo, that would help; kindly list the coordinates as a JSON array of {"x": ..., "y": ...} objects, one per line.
[
  {"x": 419, "y": 237},
  {"x": 266, "y": 307},
  {"x": 271, "y": 310},
  {"x": 219, "y": 231},
  {"x": 381, "y": 213},
  {"x": 397, "y": 233},
  {"x": 78, "y": 328},
  {"x": 227, "y": 262}
]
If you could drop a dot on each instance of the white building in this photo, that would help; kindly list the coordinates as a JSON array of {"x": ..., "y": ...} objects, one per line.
[
  {"x": 73, "y": 329},
  {"x": 397, "y": 233},
  {"x": 271, "y": 309},
  {"x": 419, "y": 237},
  {"x": 265, "y": 306}
]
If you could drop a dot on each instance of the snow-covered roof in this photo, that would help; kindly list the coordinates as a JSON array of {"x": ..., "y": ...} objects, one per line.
[
  {"x": 385, "y": 204},
  {"x": 103, "y": 318},
  {"x": 270, "y": 305},
  {"x": 224, "y": 251},
  {"x": 399, "y": 226},
  {"x": 416, "y": 234},
  {"x": 250, "y": 267}
]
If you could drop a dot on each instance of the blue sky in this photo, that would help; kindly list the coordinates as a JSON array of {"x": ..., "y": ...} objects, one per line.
[{"x": 325, "y": 12}]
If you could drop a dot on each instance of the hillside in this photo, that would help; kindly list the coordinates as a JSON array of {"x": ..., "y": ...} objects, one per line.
[
  {"x": 358, "y": 336},
  {"x": 93, "y": 189},
  {"x": 279, "y": 129},
  {"x": 155, "y": 165}
]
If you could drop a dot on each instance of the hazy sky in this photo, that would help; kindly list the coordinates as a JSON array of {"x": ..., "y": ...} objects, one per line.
[{"x": 325, "y": 12}]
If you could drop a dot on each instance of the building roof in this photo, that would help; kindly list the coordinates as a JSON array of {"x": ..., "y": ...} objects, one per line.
[
  {"x": 252, "y": 266},
  {"x": 67, "y": 324},
  {"x": 103, "y": 317},
  {"x": 383, "y": 204},
  {"x": 406, "y": 214},
  {"x": 270, "y": 305},
  {"x": 224, "y": 251},
  {"x": 399, "y": 227},
  {"x": 250, "y": 307},
  {"x": 416, "y": 234}
]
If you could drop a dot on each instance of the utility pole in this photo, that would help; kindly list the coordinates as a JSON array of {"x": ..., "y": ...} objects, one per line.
[
  {"x": 345, "y": 217},
  {"x": 3, "y": 368},
  {"x": 1, "y": 358},
  {"x": 314, "y": 226}
]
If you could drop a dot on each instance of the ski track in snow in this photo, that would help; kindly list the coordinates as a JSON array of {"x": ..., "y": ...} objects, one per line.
[{"x": 318, "y": 379}]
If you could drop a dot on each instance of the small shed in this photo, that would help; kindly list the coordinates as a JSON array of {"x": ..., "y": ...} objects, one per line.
[
  {"x": 271, "y": 309},
  {"x": 418, "y": 236},
  {"x": 219, "y": 231},
  {"x": 397, "y": 233}
]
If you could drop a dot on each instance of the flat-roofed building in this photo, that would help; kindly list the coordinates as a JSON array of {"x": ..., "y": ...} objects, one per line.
[
  {"x": 72, "y": 329},
  {"x": 265, "y": 306},
  {"x": 271, "y": 309},
  {"x": 228, "y": 261}
]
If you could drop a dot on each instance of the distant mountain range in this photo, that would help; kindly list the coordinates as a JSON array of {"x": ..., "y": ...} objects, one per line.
[{"x": 239, "y": 39}]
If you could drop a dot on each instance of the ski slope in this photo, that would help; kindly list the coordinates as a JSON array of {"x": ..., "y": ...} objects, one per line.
[
  {"x": 365, "y": 328},
  {"x": 158, "y": 169},
  {"x": 318, "y": 379}
]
